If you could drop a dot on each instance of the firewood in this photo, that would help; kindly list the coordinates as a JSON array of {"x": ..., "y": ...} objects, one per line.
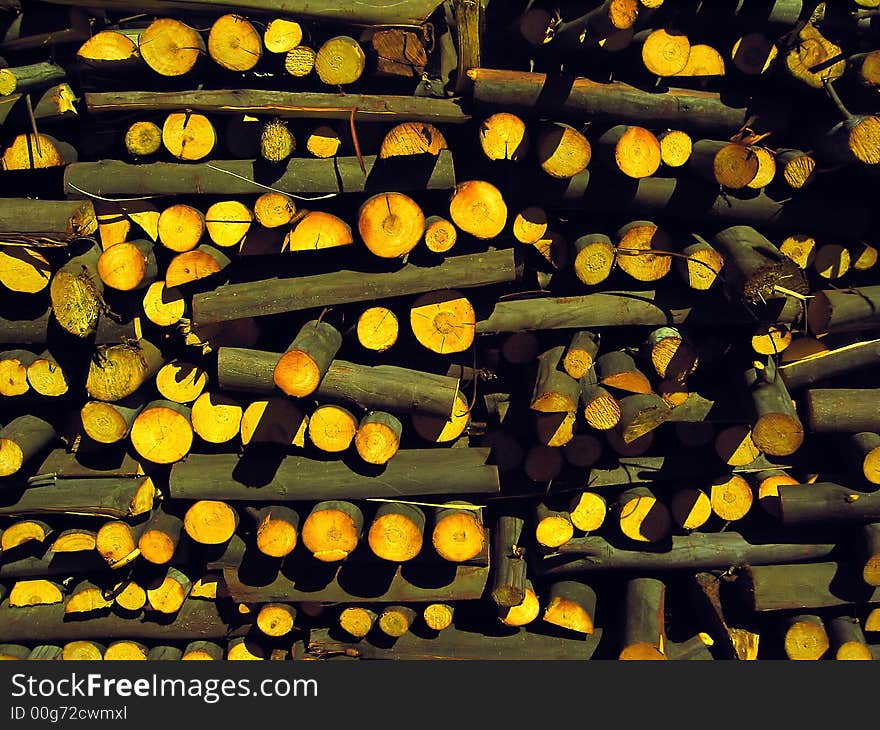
[
  {"x": 210, "y": 522},
  {"x": 281, "y": 35},
  {"x": 13, "y": 371},
  {"x": 47, "y": 376},
  {"x": 767, "y": 485},
  {"x": 584, "y": 450},
  {"x": 555, "y": 391},
  {"x": 384, "y": 387},
  {"x": 675, "y": 147},
  {"x": 118, "y": 371},
  {"x": 618, "y": 370},
  {"x": 318, "y": 230},
  {"x": 864, "y": 448},
  {"x": 798, "y": 168},
  {"x": 117, "y": 543},
  {"x": 847, "y": 639},
  {"x": 830, "y": 309},
  {"x": 234, "y": 43},
  {"x": 828, "y": 364},
  {"x": 323, "y": 142},
  {"x": 412, "y": 138},
  {"x": 110, "y": 50},
  {"x": 754, "y": 53},
  {"x": 82, "y": 651},
  {"x": 74, "y": 540},
  {"x": 14, "y": 651},
  {"x": 301, "y": 368},
  {"x": 398, "y": 52},
  {"x": 276, "y": 619},
  {"x": 543, "y": 463},
  {"x": 832, "y": 261},
  {"x": 643, "y": 630},
  {"x": 86, "y": 597},
  {"x": 22, "y": 532},
  {"x": 522, "y": 613},
  {"x": 777, "y": 430},
  {"x": 690, "y": 508},
  {"x": 55, "y": 103},
  {"x": 128, "y": 266},
  {"x": 477, "y": 207},
  {"x": 801, "y": 349},
  {"x": 21, "y": 440},
  {"x": 863, "y": 256},
  {"x": 37, "y": 592},
  {"x": 553, "y": 526},
  {"x": 167, "y": 592},
  {"x": 241, "y": 177},
  {"x": 227, "y": 222},
  {"x": 641, "y": 516},
  {"x": 811, "y": 48},
  {"x": 181, "y": 382},
  {"x": 731, "y": 497},
  {"x": 504, "y": 136},
  {"x": 443, "y": 321},
  {"x": 30, "y": 77},
  {"x": 45, "y": 652},
  {"x": 458, "y": 534},
  {"x": 165, "y": 653},
  {"x": 160, "y": 537},
  {"x": 509, "y": 565},
  {"x": 587, "y": 511},
  {"x": 129, "y": 597},
  {"x": 277, "y": 142},
  {"x": 796, "y": 586},
  {"x": 202, "y": 651},
  {"x": 332, "y": 530},
  {"x": 594, "y": 258},
  {"x": 377, "y": 439},
  {"x": 274, "y": 209},
  {"x": 635, "y": 241},
  {"x": 635, "y": 151},
  {"x": 672, "y": 356},
  {"x": 841, "y": 410},
  {"x": 194, "y": 265},
  {"x": 563, "y": 151},
  {"x": 170, "y": 47},
  {"x": 572, "y": 606},
  {"x": 143, "y": 139},
  {"x": 438, "y": 616},
  {"x": 357, "y": 620},
  {"x": 729, "y": 164},
  {"x": 110, "y": 423},
  {"x": 123, "y": 497},
  {"x": 396, "y": 532},
  {"x": 825, "y": 501},
  {"x": 771, "y": 339},
  {"x": 340, "y": 61},
  {"x": 163, "y": 306},
  {"x": 601, "y": 409},
  {"x": 23, "y": 269},
  {"x": 76, "y": 293},
  {"x": 300, "y": 61},
  {"x": 188, "y": 136},
  {"x": 395, "y": 621},
  {"x": 868, "y": 547},
  {"x": 390, "y": 224},
  {"x": 181, "y": 227},
  {"x": 640, "y": 414},
  {"x": 332, "y": 428},
  {"x": 216, "y": 418},
  {"x": 278, "y": 421},
  {"x": 277, "y": 530}
]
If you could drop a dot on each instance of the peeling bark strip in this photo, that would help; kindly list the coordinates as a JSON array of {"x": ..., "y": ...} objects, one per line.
[
  {"x": 292, "y": 105},
  {"x": 411, "y": 472},
  {"x": 363, "y": 12},
  {"x": 248, "y": 177},
  {"x": 580, "y": 98},
  {"x": 273, "y": 296}
]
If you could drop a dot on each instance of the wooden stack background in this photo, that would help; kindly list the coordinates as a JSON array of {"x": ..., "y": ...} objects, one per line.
[{"x": 439, "y": 330}]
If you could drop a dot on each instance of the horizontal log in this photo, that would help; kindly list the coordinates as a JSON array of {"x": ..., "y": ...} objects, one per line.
[
  {"x": 25, "y": 328},
  {"x": 274, "y": 296},
  {"x": 248, "y": 177},
  {"x": 618, "y": 308},
  {"x": 696, "y": 551},
  {"x": 364, "y": 12},
  {"x": 691, "y": 199},
  {"x": 292, "y": 105},
  {"x": 411, "y": 472},
  {"x": 842, "y": 410},
  {"x": 806, "y": 585},
  {"x": 354, "y": 583},
  {"x": 616, "y": 102},
  {"x": 59, "y": 221},
  {"x": 57, "y": 102},
  {"x": 60, "y": 463},
  {"x": 826, "y": 503},
  {"x": 830, "y": 364},
  {"x": 196, "y": 620},
  {"x": 50, "y": 564},
  {"x": 455, "y": 643},
  {"x": 103, "y": 497},
  {"x": 381, "y": 386}
]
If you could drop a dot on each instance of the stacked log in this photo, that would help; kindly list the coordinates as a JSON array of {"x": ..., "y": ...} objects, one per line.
[{"x": 438, "y": 330}]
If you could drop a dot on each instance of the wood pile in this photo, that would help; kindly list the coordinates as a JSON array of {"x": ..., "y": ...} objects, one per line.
[{"x": 451, "y": 330}]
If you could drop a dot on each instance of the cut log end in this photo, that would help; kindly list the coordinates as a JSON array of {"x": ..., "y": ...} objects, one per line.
[
  {"x": 210, "y": 522},
  {"x": 170, "y": 47},
  {"x": 504, "y": 136},
  {"x": 330, "y": 534},
  {"x": 643, "y": 517},
  {"x": 806, "y": 640},
  {"x": 731, "y": 497},
  {"x": 276, "y": 619},
  {"x": 396, "y": 536},
  {"x": 390, "y": 224},
  {"x": 234, "y": 43},
  {"x": 478, "y": 208},
  {"x": 523, "y": 613},
  {"x": 162, "y": 434},
  {"x": 458, "y": 536},
  {"x": 443, "y": 322},
  {"x": 357, "y": 621}
]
